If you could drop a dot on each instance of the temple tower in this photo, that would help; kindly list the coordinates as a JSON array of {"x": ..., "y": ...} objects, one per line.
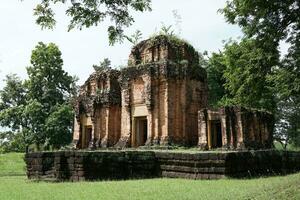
[
  {"x": 98, "y": 111},
  {"x": 162, "y": 90}
]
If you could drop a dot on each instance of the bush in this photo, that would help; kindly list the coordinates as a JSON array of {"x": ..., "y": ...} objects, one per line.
[{"x": 12, "y": 142}]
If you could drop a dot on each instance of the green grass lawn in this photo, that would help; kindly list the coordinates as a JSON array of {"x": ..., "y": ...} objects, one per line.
[
  {"x": 12, "y": 164},
  {"x": 14, "y": 185}
]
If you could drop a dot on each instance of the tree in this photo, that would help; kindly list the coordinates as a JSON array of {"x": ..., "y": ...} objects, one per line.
[
  {"x": 239, "y": 75},
  {"x": 247, "y": 69},
  {"x": 87, "y": 13},
  {"x": 288, "y": 125},
  {"x": 274, "y": 21},
  {"x": 265, "y": 20},
  {"x": 49, "y": 87},
  {"x": 47, "y": 82},
  {"x": 33, "y": 115},
  {"x": 269, "y": 22},
  {"x": 58, "y": 126},
  {"x": 12, "y": 104},
  {"x": 215, "y": 70},
  {"x": 39, "y": 108},
  {"x": 286, "y": 82},
  {"x": 12, "y": 141}
]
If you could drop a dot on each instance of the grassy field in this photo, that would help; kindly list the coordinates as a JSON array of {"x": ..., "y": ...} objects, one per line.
[
  {"x": 14, "y": 185},
  {"x": 12, "y": 164}
]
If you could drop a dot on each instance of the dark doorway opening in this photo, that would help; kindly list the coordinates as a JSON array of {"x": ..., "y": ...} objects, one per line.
[
  {"x": 88, "y": 136},
  {"x": 216, "y": 134},
  {"x": 141, "y": 131}
]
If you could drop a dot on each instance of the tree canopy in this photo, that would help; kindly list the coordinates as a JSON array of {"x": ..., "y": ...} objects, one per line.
[
  {"x": 265, "y": 20},
  {"x": 270, "y": 22},
  {"x": 215, "y": 69},
  {"x": 239, "y": 75}
]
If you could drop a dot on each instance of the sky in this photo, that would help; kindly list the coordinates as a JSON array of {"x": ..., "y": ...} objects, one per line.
[{"x": 201, "y": 25}]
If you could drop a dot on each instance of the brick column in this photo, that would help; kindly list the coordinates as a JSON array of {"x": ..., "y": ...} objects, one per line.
[
  {"x": 92, "y": 141},
  {"x": 125, "y": 118},
  {"x": 104, "y": 140},
  {"x": 202, "y": 129},
  {"x": 184, "y": 110},
  {"x": 224, "y": 127},
  {"x": 165, "y": 137},
  {"x": 149, "y": 103},
  {"x": 76, "y": 129},
  {"x": 240, "y": 129},
  {"x": 76, "y": 133}
]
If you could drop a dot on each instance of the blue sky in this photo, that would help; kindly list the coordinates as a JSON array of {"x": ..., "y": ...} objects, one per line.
[{"x": 201, "y": 25}]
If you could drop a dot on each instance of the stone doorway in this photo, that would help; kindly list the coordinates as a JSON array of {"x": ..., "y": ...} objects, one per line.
[
  {"x": 140, "y": 133},
  {"x": 215, "y": 134},
  {"x": 87, "y": 135}
]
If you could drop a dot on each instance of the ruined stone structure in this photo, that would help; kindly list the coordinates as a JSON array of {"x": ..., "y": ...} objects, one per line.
[
  {"x": 97, "y": 121},
  {"x": 235, "y": 128},
  {"x": 160, "y": 99},
  {"x": 128, "y": 164}
]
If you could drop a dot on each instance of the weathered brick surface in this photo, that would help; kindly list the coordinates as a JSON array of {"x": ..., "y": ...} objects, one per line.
[
  {"x": 241, "y": 128},
  {"x": 163, "y": 84},
  {"x": 99, "y": 165}
]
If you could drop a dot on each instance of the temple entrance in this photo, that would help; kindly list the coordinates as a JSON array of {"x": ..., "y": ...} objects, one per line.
[
  {"x": 216, "y": 134},
  {"x": 140, "y": 131},
  {"x": 87, "y": 135}
]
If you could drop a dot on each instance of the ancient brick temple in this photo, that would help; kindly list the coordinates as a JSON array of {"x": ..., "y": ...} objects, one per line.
[
  {"x": 235, "y": 128},
  {"x": 161, "y": 99}
]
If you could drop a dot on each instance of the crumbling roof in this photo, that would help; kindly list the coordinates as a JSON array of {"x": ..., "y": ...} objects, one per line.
[{"x": 171, "y": 40}]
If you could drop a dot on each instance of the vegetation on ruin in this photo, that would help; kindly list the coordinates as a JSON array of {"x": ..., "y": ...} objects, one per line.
[
  {"x": 14, "y": 185},
  {"x": 167, "y": 35},
  {"x": 103, "y": 65}
]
